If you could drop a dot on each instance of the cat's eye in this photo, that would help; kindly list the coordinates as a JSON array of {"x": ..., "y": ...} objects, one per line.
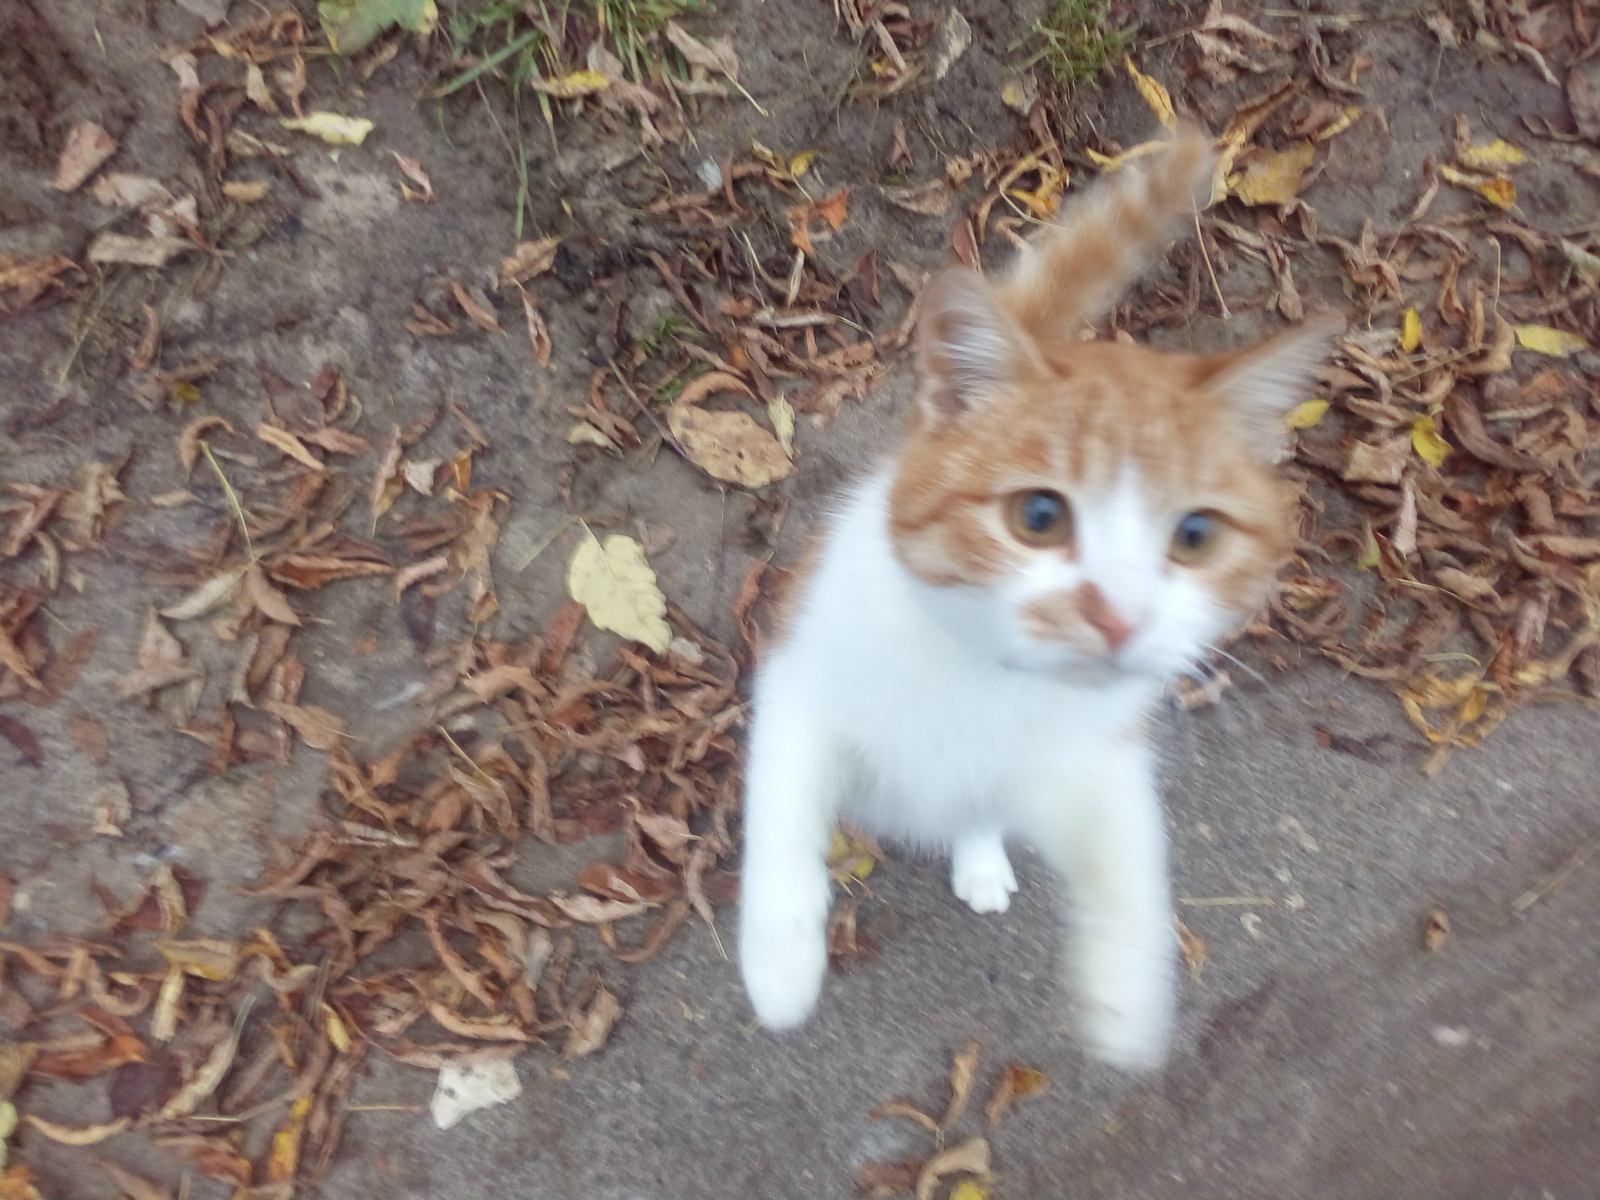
[
  {"x": 1195, "y": 537},
  {"x": 1039, "y": 518}
]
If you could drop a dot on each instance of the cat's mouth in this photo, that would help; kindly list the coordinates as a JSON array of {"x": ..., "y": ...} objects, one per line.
[{"x": 1068, "y": 666}]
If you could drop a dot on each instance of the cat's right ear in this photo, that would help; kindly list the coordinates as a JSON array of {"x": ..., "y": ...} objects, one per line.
[{"x": 968, "y": 346}]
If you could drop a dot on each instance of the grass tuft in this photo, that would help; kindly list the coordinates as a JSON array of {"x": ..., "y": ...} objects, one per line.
[{"x": 1074, "y": 40}]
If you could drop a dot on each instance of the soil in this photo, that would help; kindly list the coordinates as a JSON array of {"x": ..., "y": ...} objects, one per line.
[{"x": 1310, "y": 1060}]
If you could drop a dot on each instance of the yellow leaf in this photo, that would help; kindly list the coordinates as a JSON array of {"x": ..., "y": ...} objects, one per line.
[
  {"x": 331, "y": 127},
  {"x": 850, "y": 857},
  {"x": 584, "y": 433},
  {"x": 1497, "y": 154},
  {"x": 1154, "y": 95},
  {"x": 1557, "y": 343},
  {"x": 1342, "y": 122},
  {"x": 1273, "y": 177},
  {"x": 1497, "y": 190},
  {"x": 781, "y": 413},
  {"x": 570, "y": 87},
  {"x": 801, "y": 163},
  {"x": 970, "y": 1189},
  {"x": 1425, "y": 440},
  {"x": 1306, "y": 414},
  {"x": 337, "y": 1034},
  {"x": 284, "y": 1158},
  {"x": 1410, "y": 330},
  {"x": 1371, "y": 555},
  {"x": 617, "y": 586}
]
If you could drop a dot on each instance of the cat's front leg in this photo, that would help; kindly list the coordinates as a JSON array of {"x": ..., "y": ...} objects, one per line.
[
  {"x": 980, "y": 872},
  {"x": 792, "y": 788},
  {"x": 1104, "y": 832}
]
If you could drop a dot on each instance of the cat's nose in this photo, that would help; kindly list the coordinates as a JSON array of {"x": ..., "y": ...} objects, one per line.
[{"x": 1097, "y": 612}]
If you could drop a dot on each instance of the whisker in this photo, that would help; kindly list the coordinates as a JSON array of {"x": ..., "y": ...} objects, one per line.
[{"x": 1242, "y": 665}]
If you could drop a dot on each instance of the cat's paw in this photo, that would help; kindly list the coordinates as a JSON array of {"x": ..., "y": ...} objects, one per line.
[
  {"x": 980, "y": 874},
  {"x": 783, "y": 956}
]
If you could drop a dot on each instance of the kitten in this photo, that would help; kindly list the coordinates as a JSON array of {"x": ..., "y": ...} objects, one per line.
[{"x": 993, "y": 615}]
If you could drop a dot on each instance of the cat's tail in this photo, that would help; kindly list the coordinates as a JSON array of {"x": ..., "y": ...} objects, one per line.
[{"x": 1071, "y": 273}]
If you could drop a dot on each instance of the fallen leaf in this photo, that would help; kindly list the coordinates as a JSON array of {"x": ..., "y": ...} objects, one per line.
[
  {"x": 1425, "y": 439},
  {"x": 209, "y": 1075},
  {"x": 411, "y": 168},
  {"x": 715, "y": 55},
  {"x": 189, "y": 440},
  {"x": 729, "y": 446},
  {"x": 250, "y": 192},
  {"x": 903, "y": 1108},
  {"x": 971, "y": 1157},
  {"x": 538, "y": 334},
  {"x": 90, "y": 737},
  {"x": 283, "y": 1160},
  {"x": 616, "y": 586},
  {"x": 137, "y": 252},
  {"x": 1306, "y": 414},
  {"x": 1378, "y": 462},
  {"x": 1160, "y": 102},
  {"x": 122, "y": 190},
  {"x": 1410, "y": 330},
  {"x": 593, "y": 1027},
  {"x": 1273, "y": 177},
  {"x": 333, "y": 128},
  {"x": 1496, "y": 189},
  {"x": 591, "y": 910},
  {"x": 963, "y": 1073},
  {"x": 476, "y": 313},
  {"x": 351, "y": 25},
  {"x": 466, "y": 1088},
  {"x": 88, "y": 146},
  {"x": 931, "y": 199},
  {"x": 1435, "y": 928},
  {"x": 1557, "y": 343},
  {"x": 1017, "y": 1083},
  {"x": 1491, "y": 158},
  {"x": 205, "y": 958},
  {"x": 527, "y": 260},
  {"x": 970, "y": 1189},
  {"x": 207, "y": 596},
  {"x": 1194, "y": 951},
  {"x": 69, "y": 1135},
  {"x": 570, "y": 87},
  {"x": 317, "y": 727}
]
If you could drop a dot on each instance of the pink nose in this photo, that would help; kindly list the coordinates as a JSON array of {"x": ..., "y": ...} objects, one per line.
[{"x": 1097, "y": 611}]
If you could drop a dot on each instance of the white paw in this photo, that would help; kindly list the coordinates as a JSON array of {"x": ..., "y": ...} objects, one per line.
[
  {"x": 981, "y": 875},
  {"x": 783, "y": 956}
]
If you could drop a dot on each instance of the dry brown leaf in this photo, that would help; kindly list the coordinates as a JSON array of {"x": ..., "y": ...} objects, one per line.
[
  {"x": 189, "y": 440},
  {"x": 90, "y": 737},
  {"x": 1017, "y": 1083},
  {"x": 69, "y": 1135},
  {"x": 593, "y": 1027},
  {"x": 729, "y": 446},
  {"x": 971, "y": 1157},
  {"x": 1378, "y": 462},
  {"x": 527, "y": 260},
  {"x": 317, "y": 727},
  {"x": 412, "y": 169},
  {"x": 538, "y": 334},
  {"x": 476, "y": 313},
  {"x": 88, "y": 146},
  {"x": 716, "y": 55},
  {"x": 963, "y": 1073},
  {"x": 931, "y": 199},
  {"x": 337, "y": 440},
  {"x": 205, "y": 597},
  {"x": 209, "y": 1075},
  {"x": 904, "y": 1108},
  {"x": 592, "y": 911},
  {"x": 1194, "y": 951},
  {"x": 285, "y": 441},
  {"x": 386, "y": 483},
  {"x": 1273, "y": 177},
  {"x": 880, "y": 1180}
]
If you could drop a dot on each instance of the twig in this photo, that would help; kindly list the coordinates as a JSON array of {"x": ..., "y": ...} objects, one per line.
[
  {"x": 1221, "y": 901},
  {"x": 644, "y": 408},
  {"x": 1210, "y": 270},
  {"x": 233, "y": 499},
  {"x": 1531, "y": 897}
]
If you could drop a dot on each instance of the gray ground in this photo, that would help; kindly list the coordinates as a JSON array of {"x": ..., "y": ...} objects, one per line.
[{"x": 1322, "y": 1053}]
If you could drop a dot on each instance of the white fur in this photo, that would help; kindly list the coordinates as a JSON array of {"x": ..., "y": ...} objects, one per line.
[{"x": 928, "y": 714}]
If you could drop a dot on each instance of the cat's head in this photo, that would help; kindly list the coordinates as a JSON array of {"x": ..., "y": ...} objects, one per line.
[{"x": 1091, "y": 509}]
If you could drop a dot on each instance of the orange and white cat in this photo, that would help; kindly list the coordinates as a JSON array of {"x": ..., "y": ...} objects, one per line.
[{"x": 994, "y": 613}]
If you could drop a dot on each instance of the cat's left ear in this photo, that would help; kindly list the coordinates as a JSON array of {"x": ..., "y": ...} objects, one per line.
[{"x": 1262, "y": 383}]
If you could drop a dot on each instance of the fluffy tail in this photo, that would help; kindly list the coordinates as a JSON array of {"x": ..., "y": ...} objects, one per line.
[{"x": 1073, "y": 272}]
